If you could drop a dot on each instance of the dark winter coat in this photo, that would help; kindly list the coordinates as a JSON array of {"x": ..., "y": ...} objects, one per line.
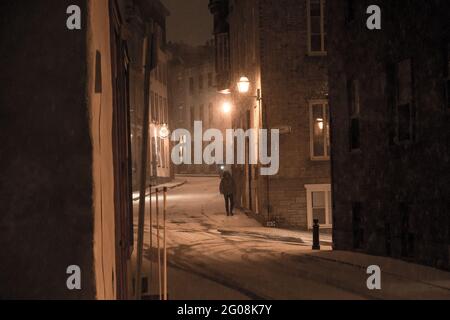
[{"x": 227, "y": 186}]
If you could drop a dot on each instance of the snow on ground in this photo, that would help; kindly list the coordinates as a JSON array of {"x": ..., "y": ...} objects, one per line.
[{"x": 212, "y": 256}]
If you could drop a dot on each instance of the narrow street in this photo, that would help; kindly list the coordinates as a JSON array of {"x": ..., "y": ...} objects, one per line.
[
  {"x": 212, "y": 256},
  {"x": 232, "y": 251}
]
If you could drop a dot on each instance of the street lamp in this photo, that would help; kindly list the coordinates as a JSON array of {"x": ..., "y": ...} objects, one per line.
[
  {"x": 164, "y": 132},
  {"x": 226, "y": 107},
  {"x": 243, "y": 85}
]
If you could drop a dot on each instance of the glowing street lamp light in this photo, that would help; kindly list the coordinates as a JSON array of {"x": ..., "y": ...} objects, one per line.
[
  {"x": 226, "y": 107},
  {"x": 164, "y": 132},
  {"x": 243, "y": 85},
  {"x": 320, "y": 124}
]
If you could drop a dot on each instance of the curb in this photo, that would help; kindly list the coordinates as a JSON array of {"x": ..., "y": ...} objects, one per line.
[{"x": 174, "y": 186}]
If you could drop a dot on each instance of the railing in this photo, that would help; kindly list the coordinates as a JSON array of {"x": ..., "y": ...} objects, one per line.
[{"x": 158, "y": 222}]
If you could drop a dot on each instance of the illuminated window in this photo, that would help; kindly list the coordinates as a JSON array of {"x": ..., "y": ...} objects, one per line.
[
  {"x": 319, "y": 205},
  {"x": 183, "y": 141},
  {"x": 316, "y": 27},
  {"x": 320, "y": 130},
  {"x": 160, "y": 110}
]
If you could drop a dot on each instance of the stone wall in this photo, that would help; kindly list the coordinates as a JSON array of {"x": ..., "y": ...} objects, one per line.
[
  {"x": 46, "y": 183},
  {"x": 391, "y": 198}
]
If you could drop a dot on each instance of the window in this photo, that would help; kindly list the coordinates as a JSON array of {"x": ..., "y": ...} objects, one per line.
[
  {"x": 183, "y": 140},
  {"x": 180, "y": 113},
  {"x": 319, "y": 205},
  {"x": 191, "y": 85},
  {"x": 192, "y": 116},
  {"x": 160, "y": 110},
  {"x": 153, "y": 107},
  {"x": 165, "y": 74},
  {"x": 404, "y": 105},
  {"x": 201, "y": 111},
  {"x": 159, "y": 153},
  {"x": 354, "y": 109},
  {"x": 222, "y": 52},
  {"x": 316, "y": 27},
  {"x": 320, "y": 130},
  {"x": 210, "y": 80},
  {"x": 160, "y": 73},
  {"x": 211, "y": 115},
  {"x": 200, "y": 82},
  {"x": 166, "y": 115}
]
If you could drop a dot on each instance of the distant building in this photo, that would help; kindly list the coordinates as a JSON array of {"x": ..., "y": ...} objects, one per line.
[
  {"x": 280, "y": 46},
  {"x": 194, "y": 96},
  {"x": 139, "y": 13},
  {"x": 390, "y": 111}
]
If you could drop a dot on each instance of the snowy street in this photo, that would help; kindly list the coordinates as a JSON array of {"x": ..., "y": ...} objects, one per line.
[{"x": 212, "y": 256}]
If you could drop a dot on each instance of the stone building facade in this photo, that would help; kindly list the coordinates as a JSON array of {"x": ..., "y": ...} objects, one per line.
[
  {"x": 64, "y": 162},
  {"x": 389, "y": 102},
  {"x": 194, "y": 97},
  {"x": 140, "y": 13},
  {"x": 280, "y": 46}
]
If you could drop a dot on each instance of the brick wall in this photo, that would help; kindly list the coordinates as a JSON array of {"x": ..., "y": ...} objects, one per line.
[
  {"x": 290, "y": 79},
  {"x": 276, "y": 61},
  {"x": 399, "y": 189}
]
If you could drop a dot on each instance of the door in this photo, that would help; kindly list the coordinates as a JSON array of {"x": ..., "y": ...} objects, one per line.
[{"x": 121, "y": 154}]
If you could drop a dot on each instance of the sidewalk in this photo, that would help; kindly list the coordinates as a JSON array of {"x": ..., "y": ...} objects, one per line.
[
  {"x": 198, "y": 175},
  {"x": 170, "y": 185},
  {"x": 348, "y": 270}
]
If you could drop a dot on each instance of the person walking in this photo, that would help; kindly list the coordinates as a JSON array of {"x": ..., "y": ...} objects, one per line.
[{"x": 228, "y": 190}]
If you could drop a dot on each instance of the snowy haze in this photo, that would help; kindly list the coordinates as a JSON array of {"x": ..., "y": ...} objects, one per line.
[{"x": 190, "y": 21}]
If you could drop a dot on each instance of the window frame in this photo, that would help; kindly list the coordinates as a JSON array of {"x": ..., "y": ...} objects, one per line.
[
  {"x": 323, "y": 33},
  {"x": 326, "y": 188},
  {"x": 327, "y": 146}
]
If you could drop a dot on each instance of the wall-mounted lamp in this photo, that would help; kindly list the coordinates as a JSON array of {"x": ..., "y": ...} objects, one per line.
[
  {"x": 243, "y": 86},
  {"x": 164, "y": 131}
]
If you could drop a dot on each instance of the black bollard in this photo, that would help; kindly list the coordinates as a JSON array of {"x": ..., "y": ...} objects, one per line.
[{"x": 316, "y": 235}]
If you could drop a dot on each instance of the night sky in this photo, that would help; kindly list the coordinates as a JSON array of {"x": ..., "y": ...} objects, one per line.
[{"x": 189, "y": 21}]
